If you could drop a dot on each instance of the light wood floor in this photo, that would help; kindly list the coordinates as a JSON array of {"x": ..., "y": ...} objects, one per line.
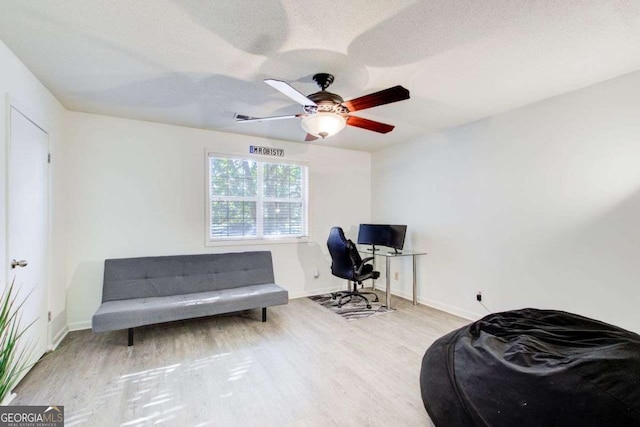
[{"x": 305, "y": 366}]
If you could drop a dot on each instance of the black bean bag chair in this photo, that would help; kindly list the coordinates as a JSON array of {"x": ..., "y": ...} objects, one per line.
[{"x": 533, "y": 368}]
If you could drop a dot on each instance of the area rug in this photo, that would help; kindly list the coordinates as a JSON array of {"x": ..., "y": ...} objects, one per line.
[{"x": 356, "y": 309}]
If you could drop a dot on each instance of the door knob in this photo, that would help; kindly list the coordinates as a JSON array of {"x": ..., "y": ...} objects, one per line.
[{"x": 21, "y": 263}]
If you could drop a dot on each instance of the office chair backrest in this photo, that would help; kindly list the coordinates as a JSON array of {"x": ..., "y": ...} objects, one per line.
[
  {"x": 341, "y": 251},
  {"x": 356, "y": 259}
]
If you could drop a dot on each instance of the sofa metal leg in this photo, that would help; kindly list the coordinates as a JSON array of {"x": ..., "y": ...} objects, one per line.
[
  {"x": 130, "y": 337},
  {"x": 264, "y": 314}
]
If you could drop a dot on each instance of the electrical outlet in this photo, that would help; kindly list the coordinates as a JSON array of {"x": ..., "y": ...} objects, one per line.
[
  {"x": 479, "y": 296},
  {"x": 396, "y": 276},
  {"x": 49, "y": 316}
]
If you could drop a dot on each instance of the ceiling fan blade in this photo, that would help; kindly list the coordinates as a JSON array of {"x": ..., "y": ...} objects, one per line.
[
  {"x": 241, "y": 118},
  {"x": 387, "y": 96},
  {"x": 369, "y": 124},
  {"x": 310, "y": 137},
  {"x": 288, "y": 90}
]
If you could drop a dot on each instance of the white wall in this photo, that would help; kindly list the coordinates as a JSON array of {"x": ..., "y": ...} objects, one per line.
[
  {"x": 137, "y": 189},
  {"x": 537, "y": 207},
  {"x": 18, "y": 82}
]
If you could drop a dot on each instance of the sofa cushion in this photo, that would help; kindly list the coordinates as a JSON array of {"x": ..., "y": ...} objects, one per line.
[
  {"x": 129, "y": 313},
  {"x": 132, "y": 278}
]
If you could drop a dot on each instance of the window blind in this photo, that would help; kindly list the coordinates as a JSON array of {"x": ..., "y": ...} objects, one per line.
[{"x": 256, "y": 199}]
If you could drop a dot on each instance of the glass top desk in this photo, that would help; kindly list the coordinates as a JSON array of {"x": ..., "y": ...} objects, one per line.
[{"x": 388, "y": 254}]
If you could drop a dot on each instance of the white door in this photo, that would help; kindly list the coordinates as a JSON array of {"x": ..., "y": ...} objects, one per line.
[{"x": 28, "y": 225}]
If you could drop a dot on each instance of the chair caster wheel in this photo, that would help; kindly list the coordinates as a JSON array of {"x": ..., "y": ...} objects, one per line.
[{"x": 369, "y": 306}]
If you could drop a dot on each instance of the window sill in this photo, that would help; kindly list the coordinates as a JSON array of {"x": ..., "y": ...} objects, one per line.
[{"x": 254, "y": 242}]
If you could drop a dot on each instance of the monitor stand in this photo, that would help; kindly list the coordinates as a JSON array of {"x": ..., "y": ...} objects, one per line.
[
  {"x": 395, "y": 252},
  {"x": 373, "y": 248}
]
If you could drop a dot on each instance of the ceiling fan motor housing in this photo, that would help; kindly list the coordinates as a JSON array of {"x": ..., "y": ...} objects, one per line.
[{"x": 326, "y": 102}]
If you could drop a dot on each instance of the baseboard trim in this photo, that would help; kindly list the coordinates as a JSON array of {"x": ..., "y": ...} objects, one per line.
[
  {"x": 57, "y": 339},
  {"x": 79, "y": 326},
  {"x": 456, "y": 311}
]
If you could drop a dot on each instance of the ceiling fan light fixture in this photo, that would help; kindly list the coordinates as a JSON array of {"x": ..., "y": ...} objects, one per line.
[{"x": 323, "y": 124}]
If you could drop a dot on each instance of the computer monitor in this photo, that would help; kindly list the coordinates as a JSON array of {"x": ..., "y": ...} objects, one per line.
[
  {"x": 397, "y": 234},
  {"x": 374, "y": 234}
]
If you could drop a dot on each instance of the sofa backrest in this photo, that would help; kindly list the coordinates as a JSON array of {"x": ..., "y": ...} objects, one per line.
[{"x": 128, "y": 278}]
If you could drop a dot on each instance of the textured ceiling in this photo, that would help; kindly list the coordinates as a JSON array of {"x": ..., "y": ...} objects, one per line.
[{"x": 196, "y": 62}]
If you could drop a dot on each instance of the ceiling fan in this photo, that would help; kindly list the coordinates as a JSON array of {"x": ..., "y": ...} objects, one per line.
[{"x": 325, "y": 113}]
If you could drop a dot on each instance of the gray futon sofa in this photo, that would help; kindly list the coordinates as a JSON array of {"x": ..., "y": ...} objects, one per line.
[{"x": 144, "y": 291}]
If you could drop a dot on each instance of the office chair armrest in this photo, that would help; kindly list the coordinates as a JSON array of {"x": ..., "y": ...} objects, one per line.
[{"x": 358, "y": 270}]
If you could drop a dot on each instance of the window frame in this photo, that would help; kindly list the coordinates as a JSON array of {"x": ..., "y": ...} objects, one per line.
[{"x": 259, "y": 199}]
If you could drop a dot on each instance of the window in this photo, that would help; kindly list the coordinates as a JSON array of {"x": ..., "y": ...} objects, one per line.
[{"x": 251, "y": 199}]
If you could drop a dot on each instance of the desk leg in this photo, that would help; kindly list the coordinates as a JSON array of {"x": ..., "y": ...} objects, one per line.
[
  {"x": 373, "y": 281},
  {"x": 388, "y": 273},
  {"x": 415, "y": 284}
]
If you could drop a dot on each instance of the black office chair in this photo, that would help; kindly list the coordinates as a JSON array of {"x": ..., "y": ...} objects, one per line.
[{"x": 346, "y": 263}]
